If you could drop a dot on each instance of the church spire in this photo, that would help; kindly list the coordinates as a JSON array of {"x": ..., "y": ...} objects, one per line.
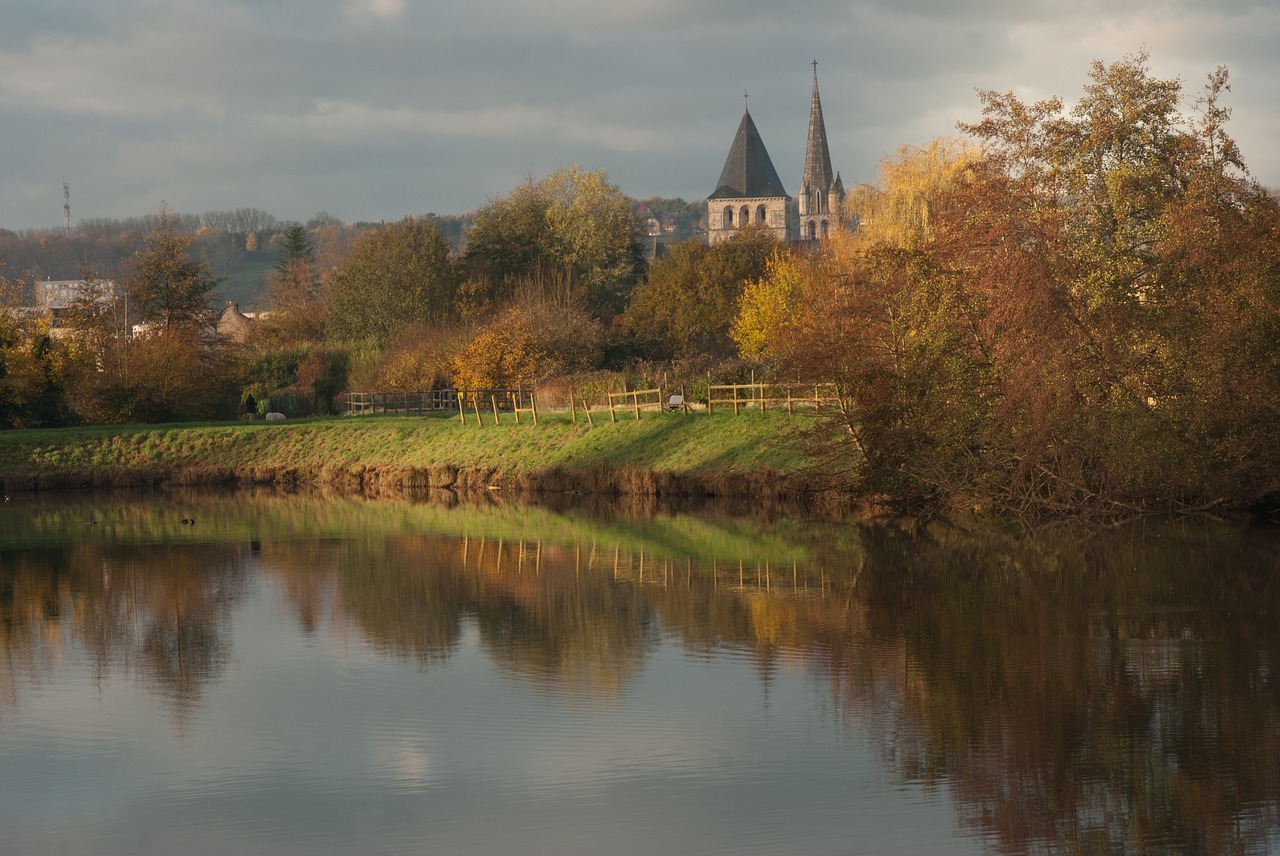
[{"x": 819, "y": 182}]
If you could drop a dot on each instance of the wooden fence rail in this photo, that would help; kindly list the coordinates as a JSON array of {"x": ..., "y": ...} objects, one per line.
[
  {"x": 520, "y": 401},
  {"x": 792, "y": 396},
  {"x": 422, "y": 401},
  {"x": 635, "y": 400},
  {"x": 511, "y": 400}
]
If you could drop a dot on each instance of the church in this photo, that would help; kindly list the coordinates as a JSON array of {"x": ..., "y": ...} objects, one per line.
[{"x": 750, "y": 194}]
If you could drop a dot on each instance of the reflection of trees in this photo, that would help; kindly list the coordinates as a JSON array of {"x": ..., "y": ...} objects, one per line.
[
  {"x": 410, "y": 595},
  {"x": 542, "y": 617},
  {"x": 1073, "y": 695},
  {"x": 160, "y": 613},
  {"x": 1088, "y": 692}
]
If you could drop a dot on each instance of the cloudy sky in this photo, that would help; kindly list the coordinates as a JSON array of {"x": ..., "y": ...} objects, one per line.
[{"x": 373, "y": 109}]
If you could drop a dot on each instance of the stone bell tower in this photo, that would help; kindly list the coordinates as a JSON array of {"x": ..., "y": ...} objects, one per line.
[{"x": 749, "y": 193}]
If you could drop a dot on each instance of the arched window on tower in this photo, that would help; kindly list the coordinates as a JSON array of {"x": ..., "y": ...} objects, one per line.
[
  {"x": 760, "y": 215},
  {"x": 812, "y": 227},
  {"x": 744, "y": 216},
  {"x": 728, "y": 217},
  {"x": 824, "y": 228}
]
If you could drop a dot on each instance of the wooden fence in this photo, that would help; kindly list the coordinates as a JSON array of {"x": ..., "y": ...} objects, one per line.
[
  {"x": 792, "y": 396},
  {"x": 424, "y": 401},
  {"x": 635, "y": 400},
  {"x": 518, "y": 401},
  {"x": 497, "y": 401}
]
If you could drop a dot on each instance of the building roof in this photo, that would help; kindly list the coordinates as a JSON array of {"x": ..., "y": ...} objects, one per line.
[
  {"x": 233, "y": 324},
  {"x": 748, "y": 173},
  {"x": 817, "y": 159}
]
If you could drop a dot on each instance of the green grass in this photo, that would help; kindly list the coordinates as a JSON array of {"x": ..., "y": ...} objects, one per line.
[{"x": 678, "y": 443}]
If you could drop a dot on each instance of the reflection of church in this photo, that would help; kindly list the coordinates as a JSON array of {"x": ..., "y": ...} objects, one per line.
[{"x": 750, "y": 194}]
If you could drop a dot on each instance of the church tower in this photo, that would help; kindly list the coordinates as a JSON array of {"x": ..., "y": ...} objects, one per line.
[
  {"x": 749, "y": 193},
  {"x": 821, "y": 191}
]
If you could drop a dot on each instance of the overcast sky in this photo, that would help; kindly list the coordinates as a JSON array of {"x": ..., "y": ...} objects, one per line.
[{"x": 373, "y": 109}]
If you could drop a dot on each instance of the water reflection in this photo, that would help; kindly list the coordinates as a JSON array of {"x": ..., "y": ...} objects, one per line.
[{"x": 1073, "y": 690}]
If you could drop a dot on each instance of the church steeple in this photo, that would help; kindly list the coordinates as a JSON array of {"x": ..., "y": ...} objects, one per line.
[{"x": 819, "y": 185}]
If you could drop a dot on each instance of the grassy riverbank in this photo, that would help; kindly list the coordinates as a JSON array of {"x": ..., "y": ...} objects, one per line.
[{"x": 660, "y": 453}]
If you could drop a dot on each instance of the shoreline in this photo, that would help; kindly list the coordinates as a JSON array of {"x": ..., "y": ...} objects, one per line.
[{"x": 753, "y": 456}]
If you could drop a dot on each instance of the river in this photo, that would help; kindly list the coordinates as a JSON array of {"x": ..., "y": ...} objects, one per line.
[{"x": 271, "y": 673}]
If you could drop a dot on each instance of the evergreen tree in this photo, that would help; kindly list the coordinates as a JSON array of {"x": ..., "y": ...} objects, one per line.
[{"x": 295, "y": 248}]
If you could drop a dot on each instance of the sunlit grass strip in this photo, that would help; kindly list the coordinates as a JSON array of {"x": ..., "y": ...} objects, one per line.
[{"x": 660, "y": 442}]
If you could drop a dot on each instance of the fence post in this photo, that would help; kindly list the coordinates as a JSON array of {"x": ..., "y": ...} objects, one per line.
[
  {"x": 613, "y": 417},
  {"x": 475, "y": 405},
  {"x": 586, "y": 408},
  {"x": 533, "y": 405},
  {"x": 493, "y": 399},
  {"x": 462, "y": 409},
  {"x": 635, "y": 400},
  {"x": 573, "y": 408},
  {"x": 735, "y": 399},
  {"x": 515, "y": 405}
]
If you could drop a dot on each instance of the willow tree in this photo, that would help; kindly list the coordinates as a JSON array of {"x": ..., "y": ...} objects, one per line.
[{"x": 900, "y": 208}]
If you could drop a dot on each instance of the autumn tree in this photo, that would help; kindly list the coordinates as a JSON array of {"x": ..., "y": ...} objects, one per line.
[
  {"x": 690, "y": 297},
  {"x": 900, "y": 208},
  {"x": 166, "y": 286},
  {"x": 769, "y": 310},
  {"x": 395, "y": 275},
  {"x": 299, "y": 300},
  {"x": 1081, "y": 323},
  {"x": 573, "y": 223},
  {"x": 545, "y": 331},
  {"x": 35, "y": 367}
]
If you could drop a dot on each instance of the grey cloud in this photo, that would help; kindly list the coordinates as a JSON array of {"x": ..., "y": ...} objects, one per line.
[{"x": 372, "y": 109}]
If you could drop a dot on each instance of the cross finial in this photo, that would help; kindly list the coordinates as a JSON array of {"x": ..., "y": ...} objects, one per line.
[
  {"x": 745, "y": 105},
  {"x": 815, "y": 68}
]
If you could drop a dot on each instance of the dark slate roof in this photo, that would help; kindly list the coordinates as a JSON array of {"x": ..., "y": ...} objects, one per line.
[{"x": 748, "y": 172}]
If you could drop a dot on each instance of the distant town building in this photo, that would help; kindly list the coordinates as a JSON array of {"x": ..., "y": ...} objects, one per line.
[
  {"x": 750, "y": 194},
  {"x": 57, "y": 296}
]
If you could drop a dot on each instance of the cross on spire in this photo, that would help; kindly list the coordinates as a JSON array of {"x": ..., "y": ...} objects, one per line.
[{"x": 745, "y": 105}]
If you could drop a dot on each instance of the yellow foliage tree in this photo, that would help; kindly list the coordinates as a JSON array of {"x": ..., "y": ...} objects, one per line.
[
  {"x": 503, "y": 353},
  {"x": 768, "y": 308},
  {"x": 421, "y": 358},
  {"x": 899, "y": 209}
]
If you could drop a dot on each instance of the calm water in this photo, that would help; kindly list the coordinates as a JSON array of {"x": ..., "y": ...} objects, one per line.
[{"x": 299, "y": 674}]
